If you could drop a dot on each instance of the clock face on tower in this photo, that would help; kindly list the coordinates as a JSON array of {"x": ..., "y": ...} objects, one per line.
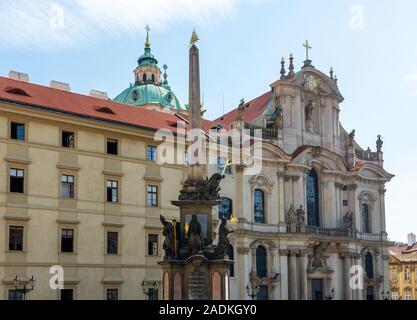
[{"x": 310, "y": 82}]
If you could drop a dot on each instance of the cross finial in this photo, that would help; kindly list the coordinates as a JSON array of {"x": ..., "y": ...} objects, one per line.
[
  {"x": 147, "y": 42},
  {"x": 308, "y": 47}
]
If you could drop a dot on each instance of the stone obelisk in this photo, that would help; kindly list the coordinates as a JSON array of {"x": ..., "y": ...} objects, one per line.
[
  {"x": 195, "y": 170},
  {"x": 193, "y": 267}
]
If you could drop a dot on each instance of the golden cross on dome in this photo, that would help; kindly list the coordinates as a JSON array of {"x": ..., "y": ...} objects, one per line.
[
  {"x": 226, "y": 165},
  {"x": 147, "y": 42},
  {"x": 307, "y": 46}
]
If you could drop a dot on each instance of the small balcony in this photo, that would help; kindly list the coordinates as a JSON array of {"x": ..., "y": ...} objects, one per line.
[{"x": 329, "y": 232}]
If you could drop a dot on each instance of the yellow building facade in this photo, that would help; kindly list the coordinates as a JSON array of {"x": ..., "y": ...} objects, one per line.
[
  {"x": 403, "y": 272},
  {"x": 63, "y": 216}
]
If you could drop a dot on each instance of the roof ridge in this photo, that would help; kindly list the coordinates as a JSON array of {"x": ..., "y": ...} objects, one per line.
[{"x": 59, "y": 90}]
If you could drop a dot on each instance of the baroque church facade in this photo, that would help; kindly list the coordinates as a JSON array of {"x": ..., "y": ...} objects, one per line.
[{"x": 80, "y": 187}]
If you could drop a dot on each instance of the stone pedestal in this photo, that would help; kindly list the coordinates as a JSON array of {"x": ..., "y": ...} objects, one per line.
[{"x": 196, "y": 278}]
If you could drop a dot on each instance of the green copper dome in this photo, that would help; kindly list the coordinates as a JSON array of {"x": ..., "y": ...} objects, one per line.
[
  {"x": 142, "y": 94},
  {"x": 148, "y": 87}
]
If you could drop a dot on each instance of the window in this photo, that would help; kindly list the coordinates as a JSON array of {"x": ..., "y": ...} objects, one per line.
[
  {"x": 225, "y": 208},
  {"x": 15, "y": 238},
  {"x": 17, "y": 131},
  {"x": 153, "y": 78},
  {"x": 394, "y": 274},
  {"x": 261, "y": 262},
  {"x": 67, "y": 240},
  {"x": 151, "y": 153},
  {"x": 152, "y": 244},
  {"x": 68, "y": 139},
  {"x": 17, "y": 180},
  {"x": 369, "y": 266},
  {"x": 370, "y": 293},
  {"x": 112, "y": 242},
  {"x": 152, "y": 294},
  {"x": 407, "y": 274},
  {"x": 365, "y": 219},
  {"x": 259, "y": 206},
  {"x": 317, "y": 289},
  {"x": 345, "y": 203},
  {"x": 67, "y": 294},
  {"x": 67, "y": 186},
  {"x": 395, "y": 295},
  {"x": 112, "y": 191},
  {"x": 221, "y": 162},
  {"x": 144, "y": 77},
  {"x": 112, "y": 294},
  {"x": 408, "y": 295},
  {"x": 231, "y": 255},
  {"x": 312, "y": 192},
  {"x": 14, "y": 294},
  {"x": 152, "y": 196},
  {"x": 186, "y": 158},
  {"x": 112, "y": 146}
]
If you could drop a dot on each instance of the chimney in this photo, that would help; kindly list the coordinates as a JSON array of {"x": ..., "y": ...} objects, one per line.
[
  {"x": 99, "y": 94},
  {"x": 411, "y": 239},
  {"x": 20, "y": 76},
  {"x": 60, "y": 85}
]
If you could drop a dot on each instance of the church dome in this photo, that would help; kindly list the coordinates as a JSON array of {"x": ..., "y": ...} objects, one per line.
[
  {"x": 142, "y": 94},
  {"x": 148, "y": 87}
]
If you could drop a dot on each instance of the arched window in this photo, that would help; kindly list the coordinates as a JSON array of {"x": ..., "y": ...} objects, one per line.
[
  {"x": 365, "y": 219},
  {"x": 225, "y": 208},
  {"x": 221, "y": 162},
  {"x": 259, "y": 206},
  {"x": 261, "y": 262},
  {"x": 313, "y": 215},
  {"x": 369, "y": 266},
  {"x": 153, "y": 78},
  {"x": 144, "y": 77},
  {"x": 231, "y": 256}
]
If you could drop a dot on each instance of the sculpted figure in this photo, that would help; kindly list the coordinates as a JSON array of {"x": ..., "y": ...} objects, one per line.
[
  {"x": 223, "y": 242},
  {"x": 292, "y": 217},
  {"x": 301, "y": 216},
  {"x": 379, "y": 144},
  {"x": 351, "y": 137},
  {"x": 194, "y": 235},
  {"x": 212, "y": 187},
  {"x": 168, "y": 233},
  {"x": 309, "y": 110}
]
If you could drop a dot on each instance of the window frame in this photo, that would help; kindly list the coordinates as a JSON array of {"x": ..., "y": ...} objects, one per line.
[
  {"x": 61, "y": 237},
  {"x": 21, "y": 123},
  {"x": 117, "y": 293},
  {"x": 108, "y": 252},
  {"x": 111, "y": 187},
  {"x": 255, "y": 192},
  {"x": 230, "y": 213},
  {"x": 61, "y": 138},
  {"x": 152, "y": 201},
  {"x": 366, "y": 224},
  {"x": 71, "y": 186},
  {"x": 151, "y": 153},
  {"x": 116, "y": 142},
  {"x": 153, "y": 243},
  {"x": 9, "y": 236},
  {"x": 22, "y": 179}
]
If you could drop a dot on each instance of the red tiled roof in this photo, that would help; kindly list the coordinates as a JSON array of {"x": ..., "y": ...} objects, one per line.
[
  {"x": 403, "y": 248},
  {"x": 86, "y": 106},
  {"x": 254, "y": 109}
]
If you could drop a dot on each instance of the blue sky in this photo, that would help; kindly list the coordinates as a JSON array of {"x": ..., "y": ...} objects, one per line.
[{"x": 371, "y": 44}]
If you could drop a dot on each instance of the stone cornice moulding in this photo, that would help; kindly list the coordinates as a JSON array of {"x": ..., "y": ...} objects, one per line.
[{"x": 17, "y": 160}]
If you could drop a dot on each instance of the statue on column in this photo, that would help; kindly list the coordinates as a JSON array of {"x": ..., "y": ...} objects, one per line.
[
  {"x": 194, "y": 235},
  {"x": 348, "y": 221},
  {"x": 223, "y": 242},
  {"x": 309, "y": 110},
  {"x": 301, "y": 216},
  {"x": 379, "y": 144},
  {"x": 292, "y": 217},
  {"x": 168, "y": 233},
  {"x": 278, "y": 118}
]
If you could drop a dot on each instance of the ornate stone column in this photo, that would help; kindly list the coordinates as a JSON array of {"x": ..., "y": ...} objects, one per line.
[
  {"x": 283, "y": 255},
  {"x": 281, "y": 199},
  {"x": 347, "y": 292},
  {"x": 293, "y": 275},
  {"x": 303, "y": 275}
]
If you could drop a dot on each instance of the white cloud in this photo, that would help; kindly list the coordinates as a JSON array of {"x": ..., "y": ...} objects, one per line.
[
  {"x": 47, "y": 24},
  {"x": 411, "y": 77}
]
